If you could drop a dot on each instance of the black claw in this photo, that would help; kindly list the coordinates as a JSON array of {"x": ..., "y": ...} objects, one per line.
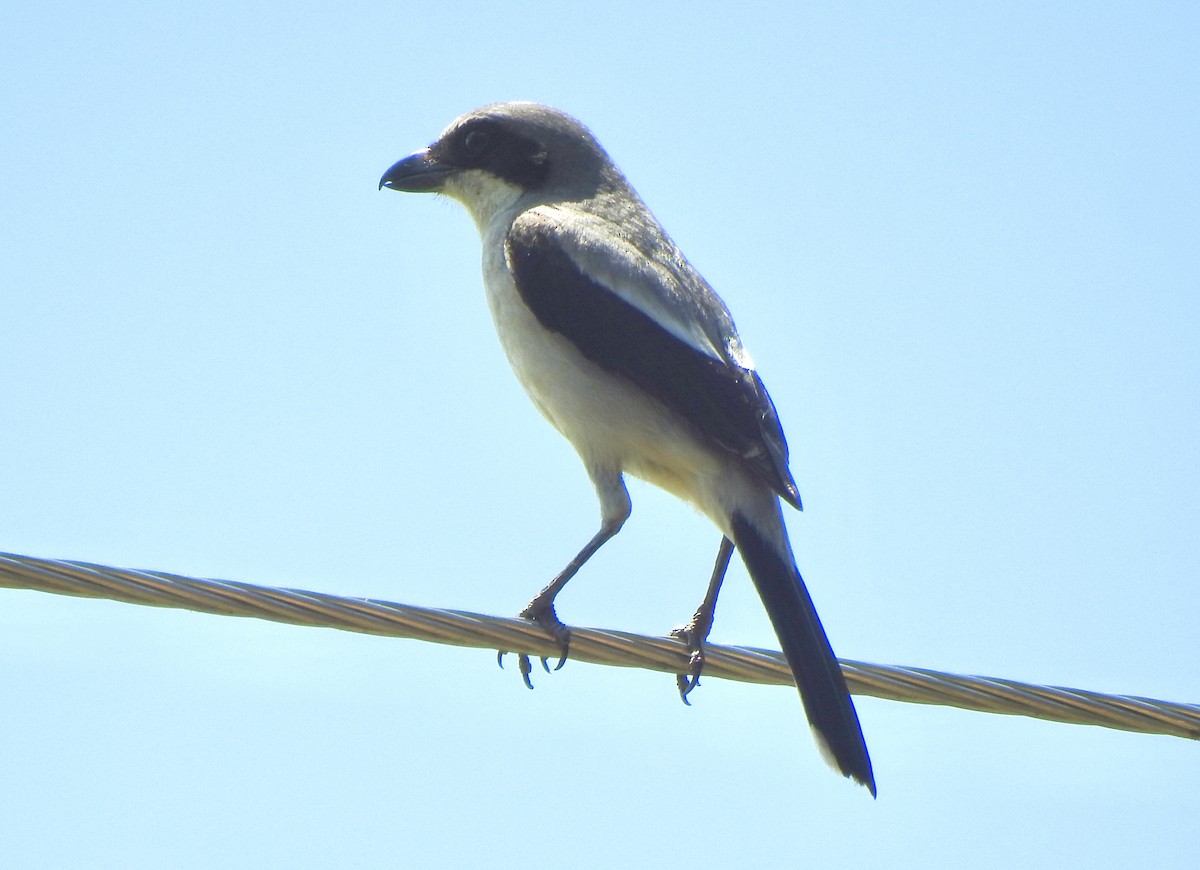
[
  {"x": 684, "y": 685},
  {"x": 500, "y": 658},
  {"x": 687, "y": 682},
  {"x": 545, "y": 665},
  {"x": 526, "y": 669}
]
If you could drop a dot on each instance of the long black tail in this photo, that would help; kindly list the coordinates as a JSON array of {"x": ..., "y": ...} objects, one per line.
[{"x": 809, "y": 655}]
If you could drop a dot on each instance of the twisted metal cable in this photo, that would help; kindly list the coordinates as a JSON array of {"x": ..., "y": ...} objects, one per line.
[{"x": 297, "y": 607}]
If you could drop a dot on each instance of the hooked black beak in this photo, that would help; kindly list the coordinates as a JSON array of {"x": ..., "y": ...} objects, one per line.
[{"x": 417, "y": 173}]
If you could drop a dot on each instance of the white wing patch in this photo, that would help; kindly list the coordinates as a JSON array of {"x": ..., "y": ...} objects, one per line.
[{"x": 644, "y": 284}]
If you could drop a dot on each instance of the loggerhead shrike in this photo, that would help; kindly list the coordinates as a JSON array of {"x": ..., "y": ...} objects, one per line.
[{"x": 630, "y": 354}]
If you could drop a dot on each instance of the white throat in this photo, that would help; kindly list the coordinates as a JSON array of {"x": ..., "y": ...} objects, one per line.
[{"x": 484, "y": 195}]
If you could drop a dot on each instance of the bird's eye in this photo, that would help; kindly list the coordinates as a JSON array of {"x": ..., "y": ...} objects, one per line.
[{"x": 477, "y": 142}]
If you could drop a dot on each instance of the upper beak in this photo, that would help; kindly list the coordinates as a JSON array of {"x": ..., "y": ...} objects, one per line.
[{"x": 416, "y": 173}]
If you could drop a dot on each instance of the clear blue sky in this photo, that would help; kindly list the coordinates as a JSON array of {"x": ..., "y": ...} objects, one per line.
[{"x": 962, "y": 246}]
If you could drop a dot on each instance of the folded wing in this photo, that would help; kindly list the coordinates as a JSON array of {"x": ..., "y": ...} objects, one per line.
[{"x": 634, "y": 321}]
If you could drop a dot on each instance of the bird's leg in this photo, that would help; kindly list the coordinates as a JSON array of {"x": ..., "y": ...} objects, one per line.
[
  {"x": 696, "y": 631},
  {"x": 541, "y": 608},
  {"x": 614, "y": 511}
]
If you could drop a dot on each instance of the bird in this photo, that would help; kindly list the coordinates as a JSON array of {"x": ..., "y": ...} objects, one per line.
[{"x": 630, "y": 354}]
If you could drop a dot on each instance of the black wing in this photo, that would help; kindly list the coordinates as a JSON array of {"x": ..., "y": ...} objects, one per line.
[{"x": 726, "y": 405}]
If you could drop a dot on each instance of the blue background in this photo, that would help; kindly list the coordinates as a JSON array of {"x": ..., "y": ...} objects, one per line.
[{"x": 962, "y": 246}]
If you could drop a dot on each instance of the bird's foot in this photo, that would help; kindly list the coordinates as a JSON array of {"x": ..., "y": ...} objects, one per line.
[
  {"x": 543, "y": 614},
  {"x": 693, "y": 635}
]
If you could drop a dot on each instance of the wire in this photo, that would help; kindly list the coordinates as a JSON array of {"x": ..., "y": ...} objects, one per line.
[{"x": 461, "y": 628}]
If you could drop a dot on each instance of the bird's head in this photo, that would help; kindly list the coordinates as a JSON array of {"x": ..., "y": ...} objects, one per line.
[{"x": 495, "y": 157}]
